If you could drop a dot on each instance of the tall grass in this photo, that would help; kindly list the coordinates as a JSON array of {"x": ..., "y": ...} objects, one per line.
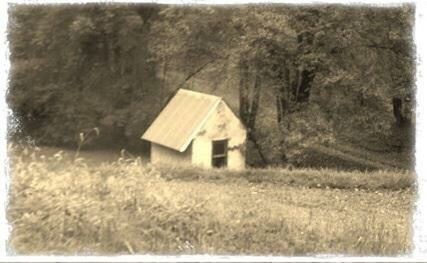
[
  {"x": 304, "y": 177},
  {"x": 129, "y": 207}
]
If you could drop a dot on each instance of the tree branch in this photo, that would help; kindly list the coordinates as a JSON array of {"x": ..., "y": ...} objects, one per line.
[{"x": 199, "y": 69}]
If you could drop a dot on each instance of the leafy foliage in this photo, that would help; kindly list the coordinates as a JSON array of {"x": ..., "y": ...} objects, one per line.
[
  {"x": 92, "y": 73},
  {"x": 298, "y": 75}
]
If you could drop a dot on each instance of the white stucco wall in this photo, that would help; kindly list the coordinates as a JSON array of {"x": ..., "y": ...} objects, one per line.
[
  {"x": 222, "y": 124},
  {"x": 161, "y": 154}
]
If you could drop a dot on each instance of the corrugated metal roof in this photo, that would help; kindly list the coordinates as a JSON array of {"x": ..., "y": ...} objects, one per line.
[{"x": 181, "y": 119}]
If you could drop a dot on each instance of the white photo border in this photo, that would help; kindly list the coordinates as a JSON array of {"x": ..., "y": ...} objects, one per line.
[{"x": 419, "y": 252}]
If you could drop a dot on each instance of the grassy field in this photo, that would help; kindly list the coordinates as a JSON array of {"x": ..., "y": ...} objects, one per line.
[{"x": 65, "y": 206}]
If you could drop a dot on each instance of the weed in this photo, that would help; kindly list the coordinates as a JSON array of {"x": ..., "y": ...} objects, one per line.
[{"x": 127, "y": 207}]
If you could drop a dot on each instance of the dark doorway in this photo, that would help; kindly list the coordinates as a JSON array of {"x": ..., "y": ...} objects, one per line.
[{"x": 219, "y": 153}]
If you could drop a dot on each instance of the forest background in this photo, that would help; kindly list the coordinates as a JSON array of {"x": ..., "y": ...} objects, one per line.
[{"x": 315, "y": 86}]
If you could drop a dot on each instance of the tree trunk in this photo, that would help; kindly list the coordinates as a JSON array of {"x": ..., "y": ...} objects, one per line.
[
  {"x": 252, "y": 137},
  {"x": 164, "y": 81},
  {"x": 305, "y": 88},
  {"x": 397, "y": 111},
  {"x": 279, "y": 109},
  {"x": 282, "y": 98},
  {"x": 243, "y": 92},
  {"x": 249, "y": 106},
  {"x": 255, "y": 102},
  {"x": 283, "y": 147},
  {"x": 302, "y": 88}
]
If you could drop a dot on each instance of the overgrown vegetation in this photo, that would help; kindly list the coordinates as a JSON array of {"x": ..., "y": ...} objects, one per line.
[
  {"x": 58, "y": 205},
  {"x": 316, "y": 86},
  {"x": 298, "y": 76},
  {"x": 311, "y": 178}
]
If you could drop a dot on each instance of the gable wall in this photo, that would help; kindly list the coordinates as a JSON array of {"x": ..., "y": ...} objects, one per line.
[
  {"x": 222, "y": 124},
  {"x": 161, "y": 154}
]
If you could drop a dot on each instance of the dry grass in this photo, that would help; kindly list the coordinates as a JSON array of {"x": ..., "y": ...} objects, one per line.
[
  {"x": 122, "y": 207},
  {"x": 312, "y": 178}
]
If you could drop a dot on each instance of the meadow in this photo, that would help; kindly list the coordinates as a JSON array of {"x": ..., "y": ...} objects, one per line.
[{"x": 64, "y": 205}]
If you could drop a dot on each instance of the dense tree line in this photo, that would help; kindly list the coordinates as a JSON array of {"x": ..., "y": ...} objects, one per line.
[{"x": 296, "y": 76}]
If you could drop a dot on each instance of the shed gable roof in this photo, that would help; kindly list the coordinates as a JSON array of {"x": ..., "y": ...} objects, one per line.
[{"x": 181, "y": 119}]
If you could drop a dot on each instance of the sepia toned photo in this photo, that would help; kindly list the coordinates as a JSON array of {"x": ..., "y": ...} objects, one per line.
[{"x": 250, "y": 129}]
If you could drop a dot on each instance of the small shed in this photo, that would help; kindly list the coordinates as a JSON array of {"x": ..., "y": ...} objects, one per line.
[{"x": 197, "y": 129}]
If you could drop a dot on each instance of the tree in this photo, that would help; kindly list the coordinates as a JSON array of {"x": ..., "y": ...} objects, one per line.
[
  {"x": 297, "y": 75},
  {"x": 93, "y": 73}
]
